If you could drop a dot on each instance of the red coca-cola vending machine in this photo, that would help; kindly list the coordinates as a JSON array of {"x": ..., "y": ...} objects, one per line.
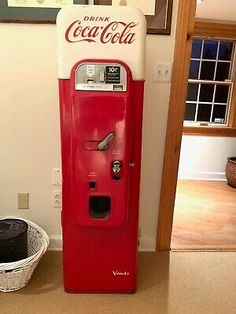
[{"x": 101, "y": 80}]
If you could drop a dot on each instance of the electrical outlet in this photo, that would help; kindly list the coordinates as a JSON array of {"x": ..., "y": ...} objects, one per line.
[
  {"x": 57, "y": 198},
  {"x": 23, "y": 200}
]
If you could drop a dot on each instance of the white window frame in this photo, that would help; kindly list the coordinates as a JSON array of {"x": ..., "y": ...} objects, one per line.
[{"x": 228, "y": 82}]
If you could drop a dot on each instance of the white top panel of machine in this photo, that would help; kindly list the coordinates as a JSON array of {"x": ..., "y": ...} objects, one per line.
[{"x": 101, "y": 32}]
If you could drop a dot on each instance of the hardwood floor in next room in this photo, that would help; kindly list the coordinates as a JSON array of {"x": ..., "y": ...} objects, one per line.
[{"x": 204, "y": 216}]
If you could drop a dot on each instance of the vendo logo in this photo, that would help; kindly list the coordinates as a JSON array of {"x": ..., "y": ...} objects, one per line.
[
  {"x": 114, "y": 32},
  {"x": 120, "y": 273}
]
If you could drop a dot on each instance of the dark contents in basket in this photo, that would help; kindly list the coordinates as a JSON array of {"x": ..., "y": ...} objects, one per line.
[{"x": 13, "y": 240}]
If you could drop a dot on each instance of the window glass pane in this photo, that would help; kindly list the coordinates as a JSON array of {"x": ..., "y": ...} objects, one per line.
[
  {"x": 225, "y": 51},
  {"x": 192, "y": 91},
  {"x": 190, "y": 110},
  {"x": 207, "y": 70},
  {"x": 210, "y": 49},
  {"x": 204, "y": 112},
  {"x": 211, "y": 60},
  {"x": 219, "y": 113},
  {"x": 194, "y": 69},
  {"x": 222, "y": 92},
  {"x": 206, "y": 92},
  {"x": 196, "y": 48},
  {"x": 222, "y": 71}
]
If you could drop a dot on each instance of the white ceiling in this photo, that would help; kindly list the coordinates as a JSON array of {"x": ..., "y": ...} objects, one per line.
[{"x": 220, "y": 10}]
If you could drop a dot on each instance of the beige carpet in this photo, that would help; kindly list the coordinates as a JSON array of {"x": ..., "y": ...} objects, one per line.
[{"x": 175, "y": 283}]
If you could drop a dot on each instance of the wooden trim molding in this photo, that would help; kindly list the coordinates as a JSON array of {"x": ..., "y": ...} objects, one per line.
[
  {"x": 209, "y": 131},
  {"x": 214, "y": 30},
  {"x": 183, "y": 42},
  {"x": 232, "y": 112}
]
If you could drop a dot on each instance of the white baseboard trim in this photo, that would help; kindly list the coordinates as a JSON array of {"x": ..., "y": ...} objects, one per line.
[
  {"x": 55, "y": 243},
  {"x": 207, "y": 176},
  {"x": 146, "y": 244}
]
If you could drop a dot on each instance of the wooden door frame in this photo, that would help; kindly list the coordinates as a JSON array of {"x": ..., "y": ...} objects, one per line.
[{"x": 183, "y": 42}]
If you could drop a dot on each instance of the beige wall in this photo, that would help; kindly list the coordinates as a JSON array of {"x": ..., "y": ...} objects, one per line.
[
  {"x": 216, "y": 11},
  {"x": 29, "y": 119},
  {"x": 159, "y": 48}
]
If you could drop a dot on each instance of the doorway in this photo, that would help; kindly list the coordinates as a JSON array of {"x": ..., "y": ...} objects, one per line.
[
  {"x": 183, "y": 43},
  {"x": 174, "y": 135}
]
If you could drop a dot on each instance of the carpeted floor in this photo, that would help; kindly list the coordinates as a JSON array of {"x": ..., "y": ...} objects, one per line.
[{"x": 173, "y": 283}]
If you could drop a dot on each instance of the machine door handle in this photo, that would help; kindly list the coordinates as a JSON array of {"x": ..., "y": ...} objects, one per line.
[{"x": 104, "y": 143}]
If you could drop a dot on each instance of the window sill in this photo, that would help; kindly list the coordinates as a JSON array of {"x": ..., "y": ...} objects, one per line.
[{"x": 209, "y": 131}]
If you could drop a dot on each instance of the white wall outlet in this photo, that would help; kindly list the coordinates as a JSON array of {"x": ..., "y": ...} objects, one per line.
[
  {"x": 162, "y": 71},
  {"x": 56, "y": 177},
  {"x": 23, "y": 200},
  {"x": 57, "y": 198}
]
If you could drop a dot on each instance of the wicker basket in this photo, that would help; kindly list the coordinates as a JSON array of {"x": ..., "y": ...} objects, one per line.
[
  {"x": 230, "y": 171},
  {"x": 16, "y": 275}
]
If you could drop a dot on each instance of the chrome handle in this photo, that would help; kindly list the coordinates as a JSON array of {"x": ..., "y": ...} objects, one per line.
[{"x": 103, "y": 145}]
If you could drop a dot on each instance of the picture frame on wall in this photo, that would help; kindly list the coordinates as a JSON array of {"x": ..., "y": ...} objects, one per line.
[
  {"x": 40, "y": 14},
  {"x": 160, "y": 22}
]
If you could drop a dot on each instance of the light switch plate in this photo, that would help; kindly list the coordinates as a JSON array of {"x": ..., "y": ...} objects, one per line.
[
  {"x": 56, "y": 176},
  {"x": 162, "y": 71}
]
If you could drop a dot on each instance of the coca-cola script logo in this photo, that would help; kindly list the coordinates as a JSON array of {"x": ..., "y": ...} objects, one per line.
[{"x": 114, "y": 32}]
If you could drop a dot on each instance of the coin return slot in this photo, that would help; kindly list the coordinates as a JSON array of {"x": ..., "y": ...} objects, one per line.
[
  {"x": 92, "y": 185},
  {"x": 99, "y": 206},
  {"x": 90, "y": 80}
]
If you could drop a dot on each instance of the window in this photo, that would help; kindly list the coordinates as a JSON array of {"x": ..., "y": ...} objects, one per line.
[
  {"x": 213, "y": 71},
  {"x": 210, "y": 82}
]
